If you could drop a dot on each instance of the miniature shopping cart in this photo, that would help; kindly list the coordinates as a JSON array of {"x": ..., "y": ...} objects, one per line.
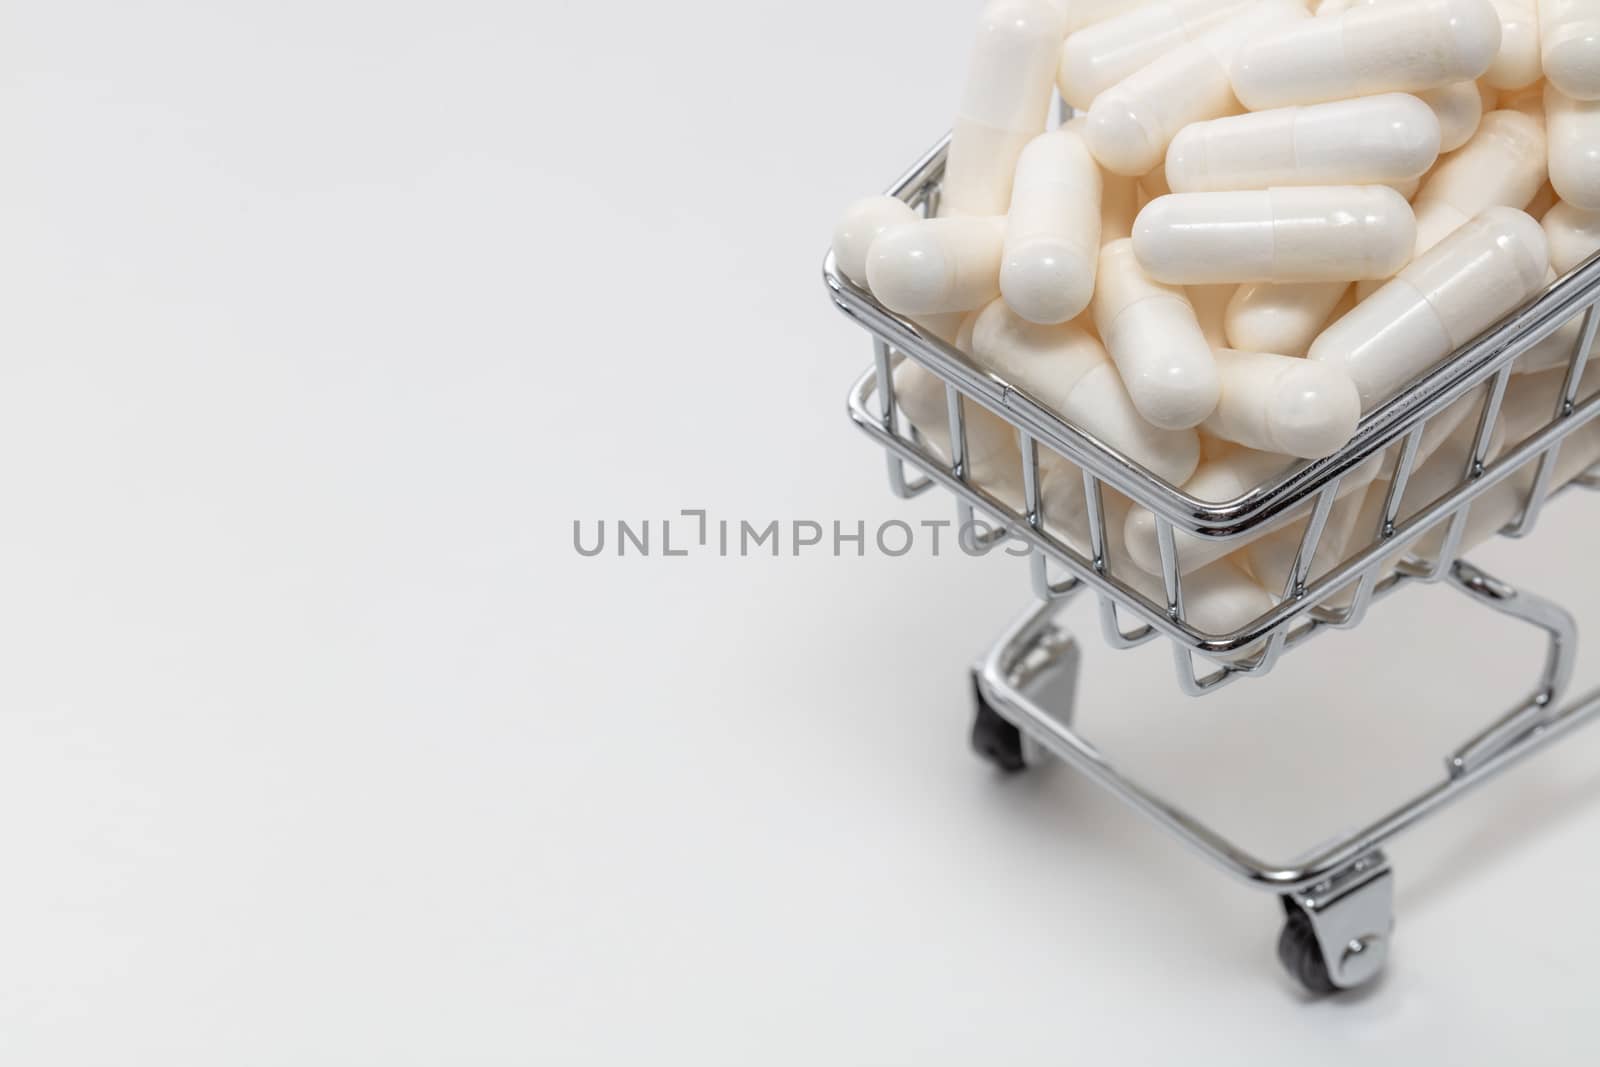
[{"x": 1338, "y": 903}]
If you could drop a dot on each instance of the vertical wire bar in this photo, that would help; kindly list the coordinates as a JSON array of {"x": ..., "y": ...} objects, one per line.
[
  {"x": 1096, "y": 505},
  {"x": 1171, "y": 582},
  {"x": 1486, "y": 423},
  {"x": 958, "y": 433},
  {"x": 1110, "y": 625},
  {"x": 1033, "y": 501},
  {"x": 1295, "y": 587},
  {"x": 1404, "y": 464},
  {"x": 1474, "y": 471},
  {"x": 1524, "y": 522},
  {"x": 888, "y": 415},
  {"x": 1033, "y": 506}
]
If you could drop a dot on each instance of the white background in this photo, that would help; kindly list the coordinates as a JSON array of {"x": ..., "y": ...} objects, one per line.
[{"x": 319, "y": 744}]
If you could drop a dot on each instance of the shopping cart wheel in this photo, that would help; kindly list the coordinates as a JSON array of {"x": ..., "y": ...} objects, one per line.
[
  {"x": 995, "y": 739},
  {"x": 1336, "y": 933},
  {"x": 1300, "y": 953}
]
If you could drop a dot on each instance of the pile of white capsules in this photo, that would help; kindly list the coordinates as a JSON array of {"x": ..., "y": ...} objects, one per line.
[{"x": 1260, "y": 222}]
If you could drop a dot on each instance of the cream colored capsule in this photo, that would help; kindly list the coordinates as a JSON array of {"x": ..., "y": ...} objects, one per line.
[
  {"x": 1003, "y": 106},
  {"x": 1574, "y": 132},
  {"x": 1131, "y": 123},
  {"x": 1387, "y": 138},
  {"x": 1459, "y": 107},
  {"x": 1076, "y": 14},
  {"x": 1282, "y": 404},
  {"x": 992, "y": 459},
  {"x": 1053, "y": 230},
  {"x": 1227, "y": 477},
  {"x": 1068, "y": 371},
  {"x": 1517, "y": 64},
  {"x": 1553, "y": 350},
  {"x": 933, "y": 266},
  {"x": 1502, "y": 166},
  {"x": 1217, "y": 599},
  {"x": 952, "y": 327},
  {"x": 1153, "y": 337},
  {"x": 1504, "y": 502},
  {"x": 1270, "y": 559},
  {"x": 1437, "y": 304},
  {"x": 1574, "y": 235},
  {"x": 1432, "y": 476},
  {"x": 1302, "y": 234},
  {"x": 863, "y": 222},
  {"x": 1569, "y": 38},
  {"x": 1267, "y": 317},
  {"x": 1095, "y": 59},
  {"x": 1404, "y": 46}
]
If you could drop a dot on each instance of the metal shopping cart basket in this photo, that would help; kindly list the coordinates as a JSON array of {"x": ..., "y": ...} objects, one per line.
[{"x": 1338, "y": 903}]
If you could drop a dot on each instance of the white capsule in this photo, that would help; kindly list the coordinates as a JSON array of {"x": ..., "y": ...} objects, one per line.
[
  {"x": 1502, "y": 166},
  {"x": 1304, "y": 234},
  {"x": 932, "y": 266},
  {"x": 1268, "y": 317},
  {"x": 1131, "y": 123},
  {"x": 992, "y": 458},
  {"x": 1574, "y": 235},
  {"x": 1437, "y": 304},
  {"x": 1004, "y": 105},
  {"x": 1068, "y": 371},
  {"x": 1053, "y": 230},
  {"x": 1377, "y": 139},
  {"x": 1459, "y": 107},
  {"x": 1095, "y": 59},
  {"x": 1414, "y": 45},
  {"x": 863, "y": 223},
  {"x": 1076, "y": 14},
  {"x": 1153, "y": 337},
  {"x": 1569, "y": 37},
  {"x": 1517, "y": 64},
  {"x": 1283, "y": 404},
  {"x": 1227, "y": 477},
  {"x": 1574, "y": 130}
]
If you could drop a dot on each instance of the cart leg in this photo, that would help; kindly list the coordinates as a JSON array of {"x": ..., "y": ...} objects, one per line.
[
  {"x": 1336, "y": 934},
  {"x": 1539, "y": 705},
  {"x": 1046, "y": 669}
]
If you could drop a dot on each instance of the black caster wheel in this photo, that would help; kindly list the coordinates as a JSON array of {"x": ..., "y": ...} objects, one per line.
[
  {"x": 995, "y": 739},
  {"x": 1300, "y": 953}
]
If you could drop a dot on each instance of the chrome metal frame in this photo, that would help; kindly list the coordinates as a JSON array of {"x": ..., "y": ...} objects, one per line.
[{"x": 1343, "y": 890}]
